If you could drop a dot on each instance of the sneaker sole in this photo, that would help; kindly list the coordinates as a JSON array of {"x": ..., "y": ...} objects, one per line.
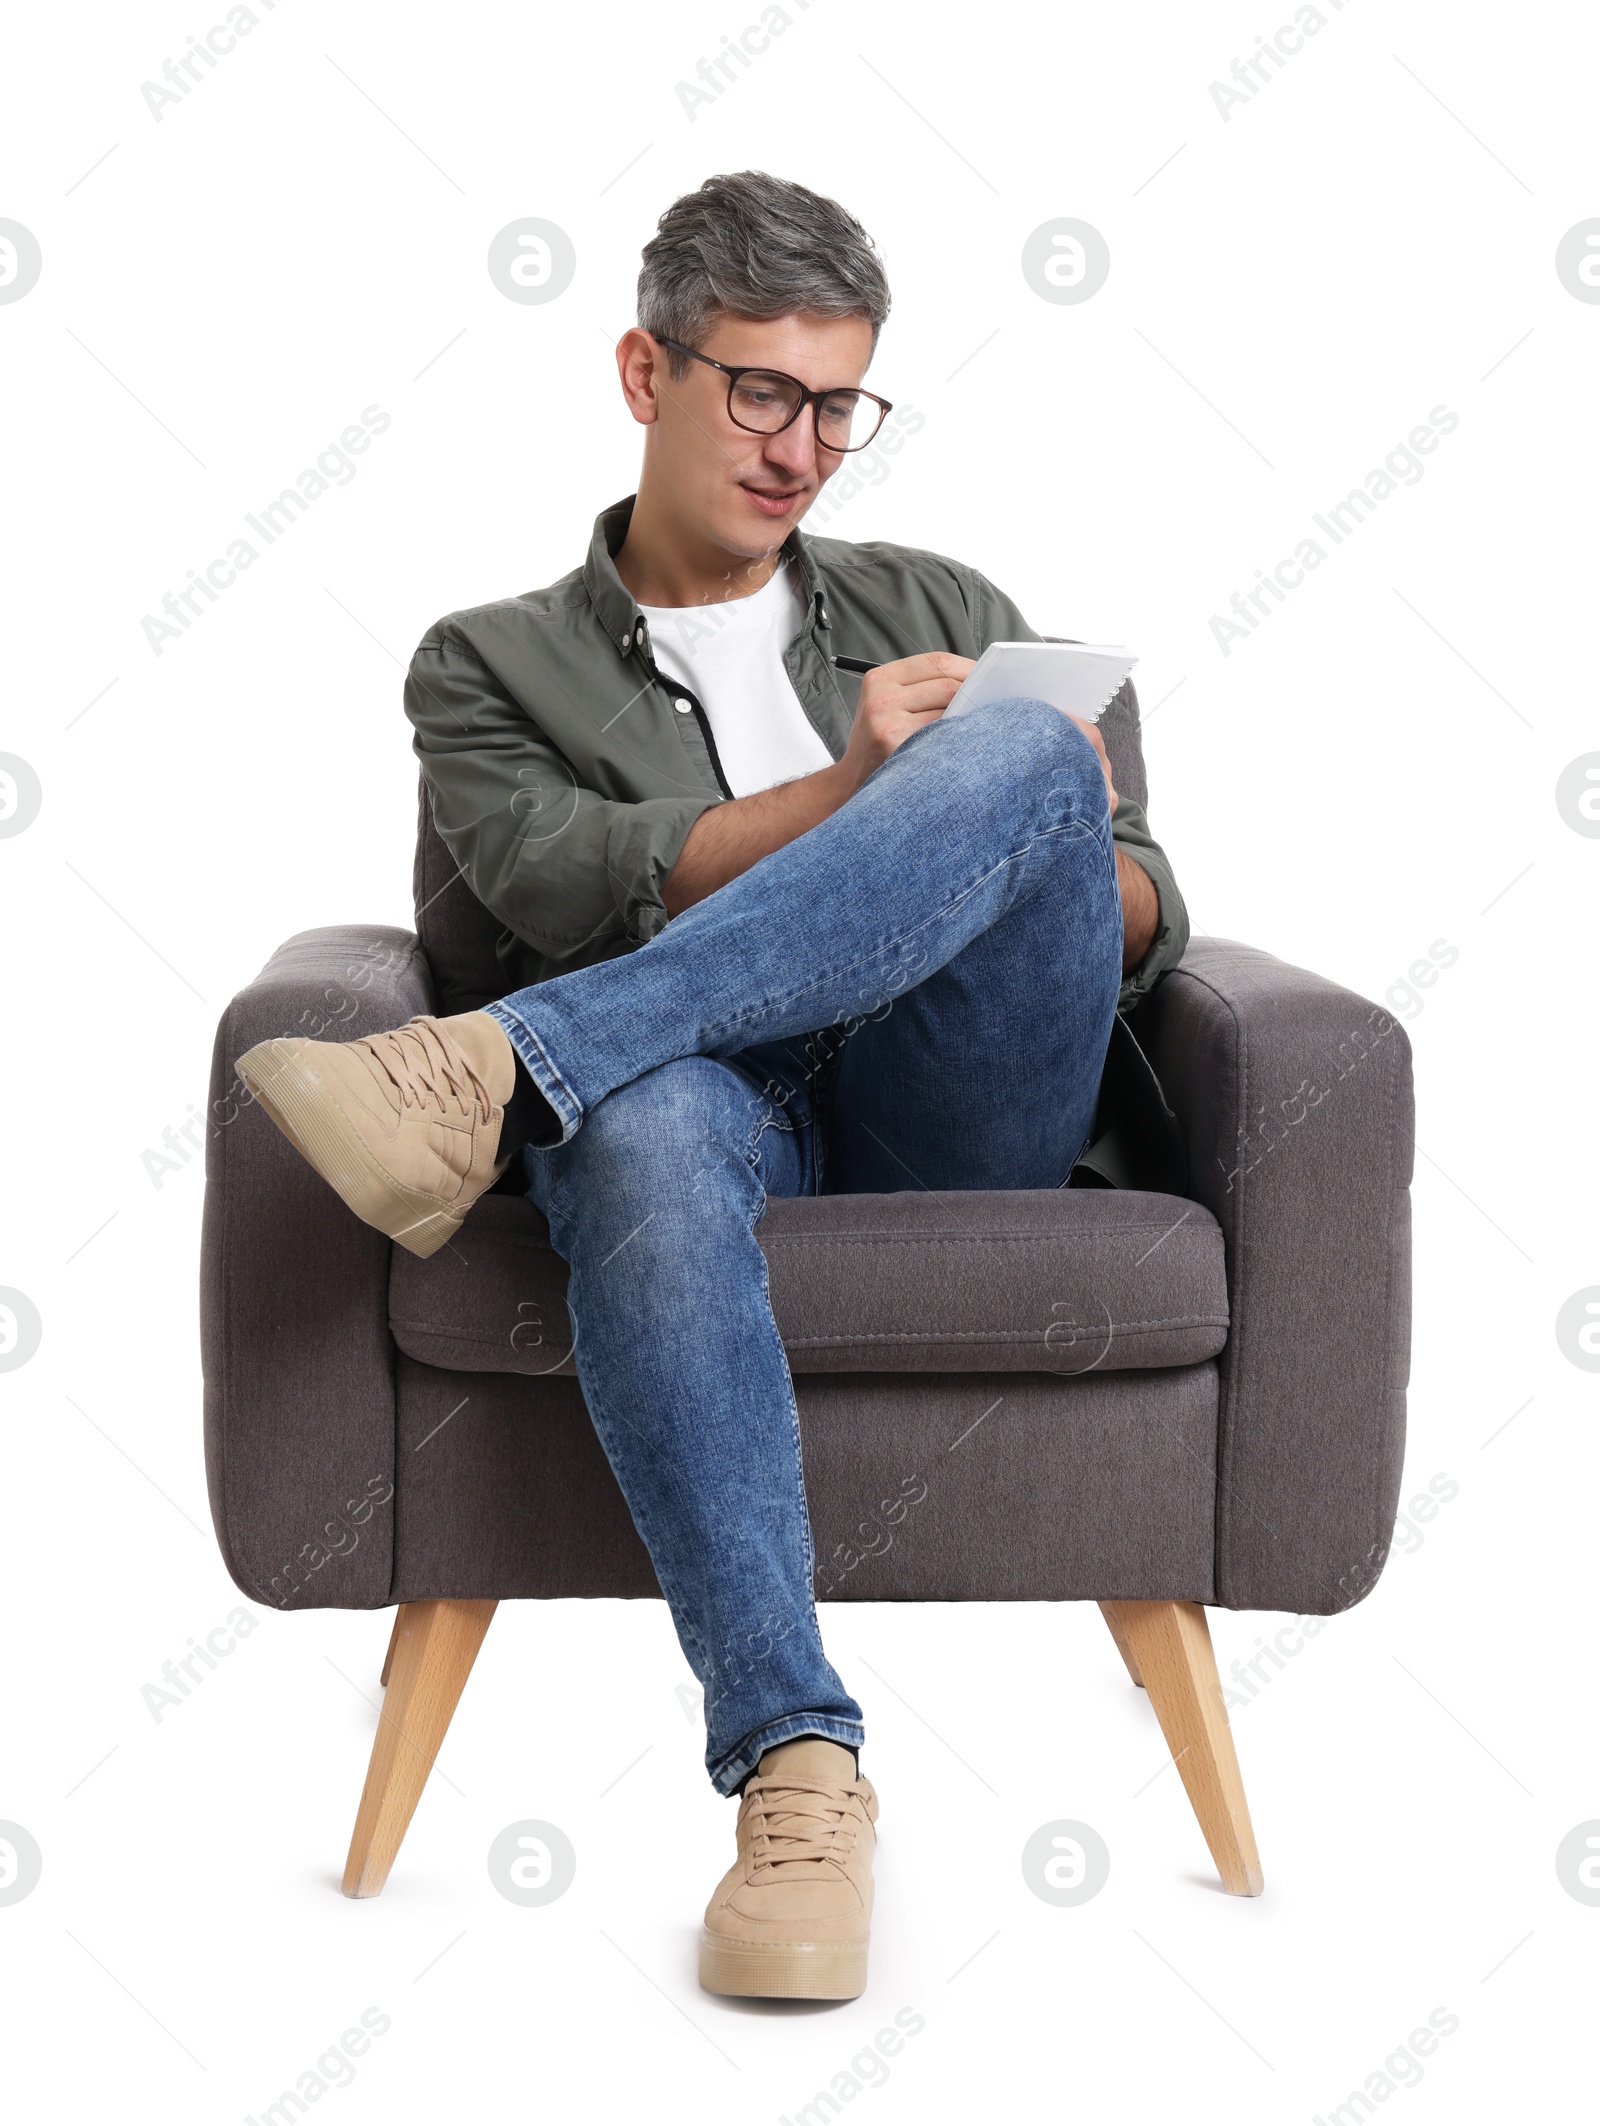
[
  {"x": 785, "y": 1970},
  {"x": 296, "y": 1099}
]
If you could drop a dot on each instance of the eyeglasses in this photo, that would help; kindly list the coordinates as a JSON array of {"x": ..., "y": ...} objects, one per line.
[{"x": 765, "y": 402}]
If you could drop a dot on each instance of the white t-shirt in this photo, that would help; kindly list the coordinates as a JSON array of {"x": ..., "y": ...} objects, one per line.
[{"x": 731, "y": 655}]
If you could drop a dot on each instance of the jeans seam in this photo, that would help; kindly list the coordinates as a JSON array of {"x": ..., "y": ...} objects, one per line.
[{"x": 808, "y": 1553}]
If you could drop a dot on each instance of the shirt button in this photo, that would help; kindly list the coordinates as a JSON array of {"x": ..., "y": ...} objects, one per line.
[
  {"x": 683, "y": 707},
  {"x": 639, "y": 637},
  {"x": 625, "y": 639}
]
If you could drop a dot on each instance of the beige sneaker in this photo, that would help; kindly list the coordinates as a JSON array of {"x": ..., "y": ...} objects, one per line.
[
  {"x": 792, "y": 1916},
  {"x": 404, "y": 1125}
]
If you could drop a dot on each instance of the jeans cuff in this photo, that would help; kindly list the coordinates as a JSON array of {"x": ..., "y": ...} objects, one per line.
[
  {"x": 732, "y": 1773},
  {"x": 567, "y": 1107}
]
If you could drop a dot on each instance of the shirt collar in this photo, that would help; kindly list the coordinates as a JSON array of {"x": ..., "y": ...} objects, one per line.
[{"x": 614, "y": 604}]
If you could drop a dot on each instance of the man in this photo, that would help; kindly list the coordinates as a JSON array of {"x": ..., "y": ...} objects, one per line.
[{"x": 769, "y": 927}]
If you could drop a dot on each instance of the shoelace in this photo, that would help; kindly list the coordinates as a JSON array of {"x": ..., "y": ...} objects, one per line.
[
  {"x": 417, "y": 1063},
  {"x": 784, "y": 1823}
]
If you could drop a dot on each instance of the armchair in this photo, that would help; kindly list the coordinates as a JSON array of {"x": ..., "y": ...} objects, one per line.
[{"x": 1188, "y": 1399}]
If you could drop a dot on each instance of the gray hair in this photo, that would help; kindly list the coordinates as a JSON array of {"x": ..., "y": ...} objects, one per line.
[{"x": 750, "y": 245}]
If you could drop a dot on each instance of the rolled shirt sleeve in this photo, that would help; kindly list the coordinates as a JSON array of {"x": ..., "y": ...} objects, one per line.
[{"x": 574, "y": 875}]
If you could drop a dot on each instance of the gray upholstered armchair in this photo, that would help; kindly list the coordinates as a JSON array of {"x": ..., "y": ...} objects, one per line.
[{"x": 1184, "y": 1400}]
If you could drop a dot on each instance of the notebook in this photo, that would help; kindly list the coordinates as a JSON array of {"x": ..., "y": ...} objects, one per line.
[{"x": 1079, "y": 678}]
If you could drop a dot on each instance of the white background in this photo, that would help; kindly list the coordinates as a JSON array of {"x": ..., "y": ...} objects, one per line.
[{"x": 1292, "y": 290}]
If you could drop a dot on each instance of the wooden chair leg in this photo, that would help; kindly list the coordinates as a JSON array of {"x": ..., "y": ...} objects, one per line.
[
  {"x": 430, "y": 1657},
  {"x": 388, "y": 1659},
  {"x": 1169, "y": 1645},
  {"x": 1109, "y": 1611}
]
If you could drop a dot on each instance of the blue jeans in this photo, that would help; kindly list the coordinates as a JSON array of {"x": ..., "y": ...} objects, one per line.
[{"x": 917, "y": 993}]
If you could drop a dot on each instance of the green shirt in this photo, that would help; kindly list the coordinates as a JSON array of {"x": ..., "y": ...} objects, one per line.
[{"x": 564, "y": 781}]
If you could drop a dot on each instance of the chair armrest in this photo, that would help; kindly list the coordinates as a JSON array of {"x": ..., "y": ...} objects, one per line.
[
  {"x": 1296, "y": 1097},
  {"x": 294, "y": 1299}
]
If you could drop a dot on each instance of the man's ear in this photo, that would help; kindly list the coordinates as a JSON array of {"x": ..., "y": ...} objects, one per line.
[{"x": 640, "y": 363}]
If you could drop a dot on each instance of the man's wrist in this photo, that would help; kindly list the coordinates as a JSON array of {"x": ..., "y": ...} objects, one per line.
[
  {"x": 1141, "y": 909},
  {"x": 837, "y": 782}
]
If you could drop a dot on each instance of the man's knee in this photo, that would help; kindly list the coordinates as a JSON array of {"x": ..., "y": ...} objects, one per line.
[
  {"x": 655, "y": 1185},
  {"x": 1025, "y": 743},
  {"x": 670, "y": 1126}
]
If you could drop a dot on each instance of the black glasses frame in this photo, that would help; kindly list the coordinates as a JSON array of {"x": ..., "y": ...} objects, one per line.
[{"x": 813, "y": 399}]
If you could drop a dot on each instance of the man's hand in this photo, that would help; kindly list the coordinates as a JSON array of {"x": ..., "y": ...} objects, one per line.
[
  {"x": 1091, "y": 731},
  {"x": 899, "y": 697},
  {"x": 896, "y": 699}
]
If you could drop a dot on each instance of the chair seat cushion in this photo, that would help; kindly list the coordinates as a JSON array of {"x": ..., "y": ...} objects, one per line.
[{"x": 1021, "y": 1280}]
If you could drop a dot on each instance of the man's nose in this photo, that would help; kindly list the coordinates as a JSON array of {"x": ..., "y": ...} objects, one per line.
[{"x": 794, "y": 448}]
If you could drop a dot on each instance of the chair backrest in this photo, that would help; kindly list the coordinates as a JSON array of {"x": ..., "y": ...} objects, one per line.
[
  {"x": 1120, "y": 728},
  {"x": 458, "y": 934}
]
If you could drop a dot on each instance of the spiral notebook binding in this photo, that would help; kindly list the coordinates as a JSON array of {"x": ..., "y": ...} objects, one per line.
[{"x": 1076, "y": 642}]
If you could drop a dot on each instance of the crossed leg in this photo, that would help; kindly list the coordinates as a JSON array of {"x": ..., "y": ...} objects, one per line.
[
  {"x": 985, "y": 970},
  {"x": 965, "y": 824}
]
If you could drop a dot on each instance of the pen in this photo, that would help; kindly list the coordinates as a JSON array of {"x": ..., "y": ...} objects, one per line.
[{"x": 854, "y": 664}]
